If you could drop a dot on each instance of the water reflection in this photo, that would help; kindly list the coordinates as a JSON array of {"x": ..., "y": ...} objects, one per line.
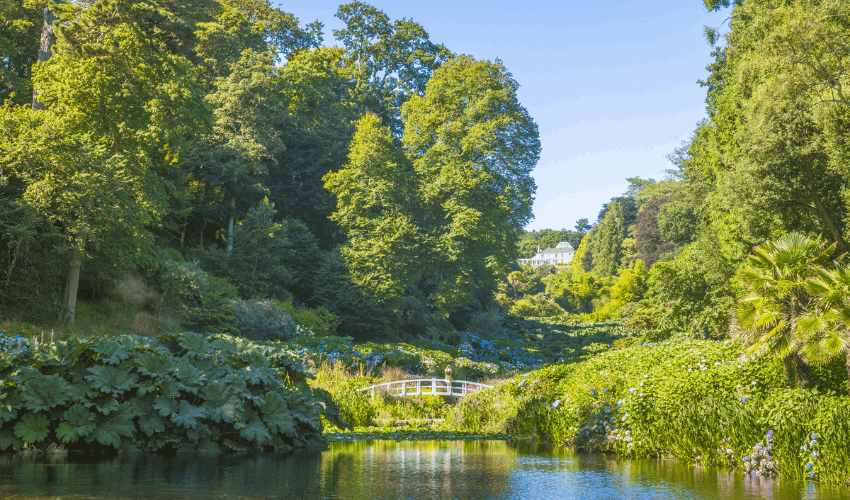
[{"x": 467, "y": 470}]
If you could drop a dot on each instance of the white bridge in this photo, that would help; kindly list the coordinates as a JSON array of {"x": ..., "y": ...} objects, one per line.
[{"x": 427, "y": 387}]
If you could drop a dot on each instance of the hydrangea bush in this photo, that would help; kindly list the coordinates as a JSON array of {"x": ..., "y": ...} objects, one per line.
[{"x": 685, "y": 398}]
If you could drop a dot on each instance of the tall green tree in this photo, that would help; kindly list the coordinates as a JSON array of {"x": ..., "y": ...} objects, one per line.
[
  {"x": 20, "y": 28},
  {"x": 113, "y": 62},
  {"x": 232, "y": 158},
  {"x": 391, "y": 60},
  {"x": 472, "y": 146},
  {"x": 378, "y": 206}
]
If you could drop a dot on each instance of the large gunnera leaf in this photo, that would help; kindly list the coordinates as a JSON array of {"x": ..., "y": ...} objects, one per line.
[
  {"x": 33, "y": 427},
  {"x": 221, "y": 402},
  {"x": 150, "y": 421},
  {"x": 256, "y": 432},
  {"x": 110, "y": 429},
  {"x": 61, "y": 353},
  {"x": 111, "y": 379},
  {"x": 154, "y": 363},
  {"x": 276, "y": 413},
  {"x": 189, "y": 375},
  {"x": 187, "y": 414},
  {"x": 77, "y": 422},
  {"x": 43, "y": 392},
  {"x": 113, "y": 350},
  {"x": 8, "y": 439},
  {"x": 195, "y": 343}
]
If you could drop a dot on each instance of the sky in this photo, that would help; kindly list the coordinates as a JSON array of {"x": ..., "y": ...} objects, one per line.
[{"x": 612, "y": 84}]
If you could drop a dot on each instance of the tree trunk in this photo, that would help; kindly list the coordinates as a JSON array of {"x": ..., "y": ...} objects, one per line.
[
  {"x": 72, "y": 286},
  {"x": 802, "y": 373},
  {"x": 45, "y": 50},
  {"x": 230, "y": 226},
  {"x": 788, "y": 370}
]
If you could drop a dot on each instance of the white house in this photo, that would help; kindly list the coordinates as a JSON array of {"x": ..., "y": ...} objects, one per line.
[{"x": 561, "y": 254}]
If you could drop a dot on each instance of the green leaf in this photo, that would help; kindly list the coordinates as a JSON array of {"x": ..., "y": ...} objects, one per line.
[
  {"x": 256, "y": 432},
  {"x": 113, "y": 350},
  {"x": 188, "y": 415},
  {"x": 221, "y": 402},
  {"x": 33, "y": 427},
  {"x": 110, "y": 429},
  {"x": 8, "y": 439},
  {"x": 78, "y": 422},
  {"x": 61, "y": 353},
  {"x": 195, "y": 343},
  {"x": 111, "y": 380},
  {"x": 188, "y": 374},
  {"x": 276, "y": 413},
  {"x": 43, "y": 392},
  {"x": 154, "y": 363}
]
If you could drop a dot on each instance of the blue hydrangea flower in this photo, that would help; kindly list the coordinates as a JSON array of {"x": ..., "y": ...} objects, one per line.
[{"x": 809, "y": 466}]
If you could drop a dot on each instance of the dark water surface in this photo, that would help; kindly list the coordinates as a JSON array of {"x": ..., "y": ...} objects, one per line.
[{"x": 464, "y": 470}]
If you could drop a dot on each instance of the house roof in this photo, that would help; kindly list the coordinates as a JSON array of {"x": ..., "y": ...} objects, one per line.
[{"x": 562, "y": 247}]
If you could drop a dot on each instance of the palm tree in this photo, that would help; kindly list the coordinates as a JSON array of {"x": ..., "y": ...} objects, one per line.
[
  {"x": 775, "y": 278},
  {"x": 827, "y": 327}
]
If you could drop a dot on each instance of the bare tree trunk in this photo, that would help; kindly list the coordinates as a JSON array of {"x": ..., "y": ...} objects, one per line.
[
  {"x": 230, "y": 226},
  {"x": 45, "y": 50},
  {"x": 72, "y": 286}
]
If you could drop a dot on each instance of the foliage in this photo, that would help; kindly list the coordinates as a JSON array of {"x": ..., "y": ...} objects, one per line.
[
  {"x": 536, "y": 305},
  {"x": 262, "y": 320},
  {"x": 691, "y": 399},
  {"x": 775, "y": 280},
  {"x": 181, "y": 392}
]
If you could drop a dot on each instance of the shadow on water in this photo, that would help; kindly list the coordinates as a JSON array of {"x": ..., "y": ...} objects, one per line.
[{"x": 464, "y": 470}]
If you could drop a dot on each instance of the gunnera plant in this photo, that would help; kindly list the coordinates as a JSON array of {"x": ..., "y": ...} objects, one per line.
[
  {"x": 176, "y": 392},
  {"x": 262, "y": 320}
]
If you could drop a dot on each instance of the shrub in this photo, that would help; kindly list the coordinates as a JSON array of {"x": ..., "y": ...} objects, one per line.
[
  {"x": 536, "y": 305},
  {"x": 262, "y": 320}
]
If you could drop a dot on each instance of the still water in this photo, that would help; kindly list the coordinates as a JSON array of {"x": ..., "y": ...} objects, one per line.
[{"x": 463, "y": 470}]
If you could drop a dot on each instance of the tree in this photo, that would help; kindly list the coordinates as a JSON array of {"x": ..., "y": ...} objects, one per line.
[
  {"x": 826, "y": 327},
  {"x": 391, "y": 61},
  {"x": 775, "y": 279},
  {"x": 88, "y": 169},
  {"x": 317, "y": 93},
  {"x": 607, "y": 243},
  {"x": 378, "y": 207},
  {"x": 472, "y": 146},
  {"x": 649, "y": 242},
  {"x": 232, "y": 158},
  {"x": 19, "y": 32},
  {"x": 583, "y": 226}
]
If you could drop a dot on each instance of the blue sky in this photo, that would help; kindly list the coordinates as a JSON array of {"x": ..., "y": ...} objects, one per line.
[{"x": 611, "y": 84}]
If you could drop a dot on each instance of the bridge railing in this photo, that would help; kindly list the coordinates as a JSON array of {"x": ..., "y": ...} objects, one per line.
[{"x": 427, "y": 387}]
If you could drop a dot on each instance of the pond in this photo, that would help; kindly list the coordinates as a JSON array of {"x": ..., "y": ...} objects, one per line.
[{"x": 463, "y": 470}]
